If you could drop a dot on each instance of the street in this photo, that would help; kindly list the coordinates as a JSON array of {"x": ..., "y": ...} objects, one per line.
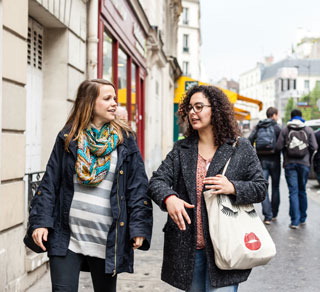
[{"x": 296, "y": 266}]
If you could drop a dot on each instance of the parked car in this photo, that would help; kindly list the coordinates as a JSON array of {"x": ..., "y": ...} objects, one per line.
[{"x": 315, "y": 125}]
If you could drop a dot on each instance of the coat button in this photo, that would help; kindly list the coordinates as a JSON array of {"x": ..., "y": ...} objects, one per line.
[
  {"x": 145, "y": 202},
  {"x": 121, "y": 171},
  {"x": 121, "y": 224},
  {"x": 39, "y": 193}
]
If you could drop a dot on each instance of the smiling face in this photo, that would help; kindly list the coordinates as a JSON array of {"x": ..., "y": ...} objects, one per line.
[
  {"x": 105, "y": 106},
  {"x": 200, "y": 120}
]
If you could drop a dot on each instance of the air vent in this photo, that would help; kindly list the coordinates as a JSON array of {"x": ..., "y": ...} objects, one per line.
[{"x": 35, "y": 48}]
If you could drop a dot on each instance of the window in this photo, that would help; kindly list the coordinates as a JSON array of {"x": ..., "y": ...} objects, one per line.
[
  {"x": 122, "y": 78},
  {"x": 307, "y": 84},
  {"x": 186, "y": 43},
  {"x": 185, "y": 68},
  {"x": 107, "y": 57},
  {"x": 185, "y": 16},
  {"x": 317, "y": 83},
  {"x": 134, "y": 109}
]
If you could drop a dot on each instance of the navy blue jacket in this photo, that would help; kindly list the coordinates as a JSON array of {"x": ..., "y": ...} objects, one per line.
[{"x": 130, "y": 205}]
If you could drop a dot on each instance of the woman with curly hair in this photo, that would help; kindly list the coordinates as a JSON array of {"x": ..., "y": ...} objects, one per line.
[
  {"x": 91, "y": 209},
  {"x": 193, "y": 165}
]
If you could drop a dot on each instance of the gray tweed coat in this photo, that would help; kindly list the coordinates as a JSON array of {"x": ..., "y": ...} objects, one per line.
[{"x": 177, "y": 175}]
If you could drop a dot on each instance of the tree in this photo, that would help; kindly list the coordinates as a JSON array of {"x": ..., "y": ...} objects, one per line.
[
  {"x": 289, "y": 107},
  {"x": 312, "y": 111}
]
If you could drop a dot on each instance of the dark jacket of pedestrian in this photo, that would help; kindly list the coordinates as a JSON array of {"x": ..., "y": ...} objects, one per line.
[
  {"x": 282, "y": 141},
  {"x": 91, "y": 209},
  {"x": 177, "y": 176},
  {"x": 132, "y": 210},
  {"x": 317, "y": 155},
  {"x": 275, "y": 156}
]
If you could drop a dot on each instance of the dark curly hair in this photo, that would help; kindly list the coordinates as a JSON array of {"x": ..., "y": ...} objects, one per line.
[{"x": 225, "y": 126}]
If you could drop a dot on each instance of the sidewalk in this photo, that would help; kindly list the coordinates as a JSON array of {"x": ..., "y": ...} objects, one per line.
[
  {"x": 295, "y": 268},
  {"x": 146, "y": 277},
  {"x": 313, "y": 190}
]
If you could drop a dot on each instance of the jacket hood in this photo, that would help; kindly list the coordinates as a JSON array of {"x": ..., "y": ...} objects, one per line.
[
  {"x": 266, "y": 123},
  {"x": 296, "y": 124}
]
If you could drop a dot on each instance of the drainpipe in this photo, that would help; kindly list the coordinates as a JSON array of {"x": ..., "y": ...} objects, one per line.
[{"x": 92, "y": 39}]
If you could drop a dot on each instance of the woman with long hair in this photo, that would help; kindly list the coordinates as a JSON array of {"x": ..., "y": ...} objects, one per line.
[
  {"x": 91, "y": 209},
  {"x": 192, "y": 166}
]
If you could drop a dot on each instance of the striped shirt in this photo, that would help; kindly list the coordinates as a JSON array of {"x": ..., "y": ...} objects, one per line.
[{"x": 91, "y": 216}]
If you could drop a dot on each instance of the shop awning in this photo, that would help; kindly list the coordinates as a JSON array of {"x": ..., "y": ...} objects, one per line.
[
  {"x": 184, "y": 83},
  {"x": 241, "y": 114}
]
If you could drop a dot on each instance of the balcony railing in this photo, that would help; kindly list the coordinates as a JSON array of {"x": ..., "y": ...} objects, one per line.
[{"x": 34, "y": 179}]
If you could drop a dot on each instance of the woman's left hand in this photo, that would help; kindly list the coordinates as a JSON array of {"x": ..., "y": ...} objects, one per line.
[
  {"x": 219, "y": 184},
  {"x": 137, "y": 242}
]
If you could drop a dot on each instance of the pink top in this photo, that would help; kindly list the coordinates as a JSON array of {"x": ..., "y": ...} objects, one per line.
[{"x": 202, "y": 167}]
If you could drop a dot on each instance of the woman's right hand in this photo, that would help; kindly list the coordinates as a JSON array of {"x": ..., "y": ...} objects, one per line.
[
  {"x": 38, "y": 235},
  {"x": 176, "y": 210}
]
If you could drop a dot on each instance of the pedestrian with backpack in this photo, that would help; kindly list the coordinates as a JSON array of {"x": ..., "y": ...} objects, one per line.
[
  {"x": 264, "y": 137},
  {"x": 298, "y": 142}
]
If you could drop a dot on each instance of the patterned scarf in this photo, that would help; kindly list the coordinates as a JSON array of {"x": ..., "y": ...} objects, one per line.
[{"x": 94, "y": 154}]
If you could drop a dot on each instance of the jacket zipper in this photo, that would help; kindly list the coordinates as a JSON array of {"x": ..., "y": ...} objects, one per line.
[{"x": 116, "y": 242}]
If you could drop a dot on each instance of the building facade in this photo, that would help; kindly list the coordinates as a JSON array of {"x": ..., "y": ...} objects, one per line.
[
  {"x": 189, "y": 39},
  {"x": 44, "y": 59},
  {"x": 275, "y": 84},
  {"x": 48, "y": 48},
  {"x": 138, "y": 53}
]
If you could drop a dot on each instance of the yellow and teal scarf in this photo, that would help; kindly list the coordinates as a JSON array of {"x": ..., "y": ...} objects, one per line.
[{"x": 94, "y": 154}]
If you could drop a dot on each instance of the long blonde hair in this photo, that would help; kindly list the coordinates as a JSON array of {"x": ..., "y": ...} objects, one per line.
[{"x": 83, "y": 110}]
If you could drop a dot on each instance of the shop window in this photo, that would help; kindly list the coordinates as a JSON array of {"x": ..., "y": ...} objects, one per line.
[
  {"x": 107, "y": 57},
  {"x": 122, "y": 78},
  {"x": 134, "y": 110}
]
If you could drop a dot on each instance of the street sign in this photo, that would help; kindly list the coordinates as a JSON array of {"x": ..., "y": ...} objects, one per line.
[
  {"x": 303, "y": 104},
  {"x": 189, "y": 84}
]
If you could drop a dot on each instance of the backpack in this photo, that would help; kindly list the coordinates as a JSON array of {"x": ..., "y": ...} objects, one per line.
[
  {"x": 297, "y": 143},
  {"x": 266, "y": 140}
]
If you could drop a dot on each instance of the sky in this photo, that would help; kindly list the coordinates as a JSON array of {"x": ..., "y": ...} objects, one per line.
[{"x": 236, "y": 34}]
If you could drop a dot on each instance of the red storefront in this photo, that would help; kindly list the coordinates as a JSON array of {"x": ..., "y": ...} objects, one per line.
[{"x": 122, "y": 58}]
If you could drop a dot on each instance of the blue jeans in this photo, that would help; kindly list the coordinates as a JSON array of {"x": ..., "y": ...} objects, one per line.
[
  {"x": 201, "y": 278},
  {"x": 297, "y": 177},
  {"x": 271, "y": 168}
]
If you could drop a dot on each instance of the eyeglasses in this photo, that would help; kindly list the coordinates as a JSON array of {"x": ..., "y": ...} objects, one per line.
[{"x": 197, "y": 107}]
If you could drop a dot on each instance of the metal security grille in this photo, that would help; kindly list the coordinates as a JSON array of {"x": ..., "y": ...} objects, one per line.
[{"x": 35, "y": 46}]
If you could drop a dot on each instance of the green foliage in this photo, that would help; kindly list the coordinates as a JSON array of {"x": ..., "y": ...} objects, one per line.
[
  {"x": 289, "y": 107},
  {"x": 311, "y": 112}
]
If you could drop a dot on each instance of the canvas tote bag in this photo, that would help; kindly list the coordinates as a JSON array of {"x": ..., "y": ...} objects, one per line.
[{"x": 239, "y": 237}]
